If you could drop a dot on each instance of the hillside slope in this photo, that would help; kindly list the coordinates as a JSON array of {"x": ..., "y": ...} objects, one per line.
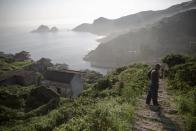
[
  {"x": 104, "y": 26},
  {"x": 165, "y": 119},
  {"x": 91, "y": 111},
  {"x": 35, "y": 108},
  {"x": 170, "y": 35}
]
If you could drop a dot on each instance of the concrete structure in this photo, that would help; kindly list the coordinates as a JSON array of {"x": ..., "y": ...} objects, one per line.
[{"x": 67, "y": 83}]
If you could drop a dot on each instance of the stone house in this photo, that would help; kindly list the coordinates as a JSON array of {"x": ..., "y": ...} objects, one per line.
[{"x": 66, "y": 83}]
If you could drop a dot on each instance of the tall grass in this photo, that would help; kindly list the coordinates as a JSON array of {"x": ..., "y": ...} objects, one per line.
[
  {"x": 182, "y": 80},
  {"x": 106, "y": 104}
]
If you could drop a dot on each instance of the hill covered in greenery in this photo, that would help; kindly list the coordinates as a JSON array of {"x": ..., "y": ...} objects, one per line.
[
  {"x": 107, "y": 102},
  {"x": 174, "y": 34},
  {"x": 182, "y": 84}
]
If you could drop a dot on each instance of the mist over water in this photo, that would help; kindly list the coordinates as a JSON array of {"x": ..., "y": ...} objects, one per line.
[{"x": 62, "y": 47}]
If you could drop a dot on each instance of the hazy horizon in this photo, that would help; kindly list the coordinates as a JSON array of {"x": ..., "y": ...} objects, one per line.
[{"x": 70, "y": 13}]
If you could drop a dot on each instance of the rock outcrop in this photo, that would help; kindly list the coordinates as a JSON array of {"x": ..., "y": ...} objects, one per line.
[
  {"x": 45, "y": 29},
  {"x": 54, "y": 29}
]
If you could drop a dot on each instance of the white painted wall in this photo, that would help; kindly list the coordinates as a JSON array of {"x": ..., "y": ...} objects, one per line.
[{"x": 77, "y": 85}]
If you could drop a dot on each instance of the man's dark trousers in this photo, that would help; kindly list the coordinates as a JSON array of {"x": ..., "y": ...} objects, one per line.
[{"x": 152, "y": 94}]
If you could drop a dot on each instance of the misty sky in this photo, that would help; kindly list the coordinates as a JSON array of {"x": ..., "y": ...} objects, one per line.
[{"x": 72, "y": 12}]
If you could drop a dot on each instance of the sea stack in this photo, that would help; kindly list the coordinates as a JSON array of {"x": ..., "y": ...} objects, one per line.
[{"x": 45, "y": 29}]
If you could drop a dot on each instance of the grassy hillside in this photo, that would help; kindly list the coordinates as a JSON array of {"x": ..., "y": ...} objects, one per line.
[
  {"x": 170, "y": 35},
  {"x": 107, "y": 103},
  {"x": 9, "y": 64},
  {"x": 182, "y": 83}
]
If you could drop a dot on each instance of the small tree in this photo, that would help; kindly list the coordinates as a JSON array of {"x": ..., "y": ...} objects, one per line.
[
  {"x": 91, "y": 77},
  {"x": 43, "y": 64},
  {"x": 172, "y": 60},
  {"x": 21, "y": 56},
  {"x": 103, "y": 83}
]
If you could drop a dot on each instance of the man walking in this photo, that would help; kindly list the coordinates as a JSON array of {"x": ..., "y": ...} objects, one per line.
[{"x": 154, "y": 85}]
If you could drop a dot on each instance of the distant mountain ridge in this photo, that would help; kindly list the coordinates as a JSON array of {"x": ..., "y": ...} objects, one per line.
[
  {"x": 170, "y": 35},
  {"x": 104, "y": 26}
]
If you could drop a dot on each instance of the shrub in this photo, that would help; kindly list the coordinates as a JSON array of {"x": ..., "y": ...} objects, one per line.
[
  {"x": 182, "y": 79},
  {"x": 190, "y": 122},
  {"x": 172, "y": 60},
  {"x": 21, "y": 56},
  {"x": 185, "y": 105},
  {"x": 120, "y": 69},
  {"x": 106, "y": 104},
  {"x": 103, "y": 83},
  {"x": 117, "y": 118},
  {"x": 91, "y": 77}
]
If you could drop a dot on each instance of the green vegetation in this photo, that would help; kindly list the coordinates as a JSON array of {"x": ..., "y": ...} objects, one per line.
[
  {"x": 9, "y": 64},
  {"x": 182, "y": 80},
  {"x": 16, "y": 90},
  {"x": 91, "y": 76},
  {"x": 21, "y": 64},
  {"x": 172, "y": 60},
  {"x": 107, "y": 103}
]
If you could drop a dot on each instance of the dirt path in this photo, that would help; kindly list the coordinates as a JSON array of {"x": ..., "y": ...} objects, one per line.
[{"x": 165, "y": 119}]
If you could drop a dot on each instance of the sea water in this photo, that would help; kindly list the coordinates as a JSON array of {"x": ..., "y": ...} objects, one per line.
[{"x": 64, "y": 46}]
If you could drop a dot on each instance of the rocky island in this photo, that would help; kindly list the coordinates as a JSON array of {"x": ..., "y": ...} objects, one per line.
[
  {"x": 45, "y": 29},
  {"x": 54, "y": 29}
]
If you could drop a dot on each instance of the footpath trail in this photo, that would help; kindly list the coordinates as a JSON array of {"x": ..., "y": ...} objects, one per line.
[{"x": 164, "y": 119}]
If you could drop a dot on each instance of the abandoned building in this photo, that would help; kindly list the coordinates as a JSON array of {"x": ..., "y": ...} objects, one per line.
[
  {"x": 66, "y": 83},
  {"x": 19, "y": 77}
]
